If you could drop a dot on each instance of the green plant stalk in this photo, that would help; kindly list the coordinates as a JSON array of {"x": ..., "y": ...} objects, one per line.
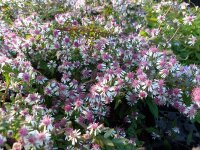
[{"x": 7, "y": 88}]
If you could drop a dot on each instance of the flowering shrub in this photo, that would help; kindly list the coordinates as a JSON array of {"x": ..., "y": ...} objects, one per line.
[
  {"x": 80, "y": 79},
  {"x": 174, "y": 25}
]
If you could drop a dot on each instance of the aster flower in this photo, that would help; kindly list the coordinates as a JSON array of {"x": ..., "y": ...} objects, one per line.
[
  {"x": 192, "y": 40},
  {"x": 95, "y": 147},
  {"x": 52, "y": 88},
  {"x": 23, "y": 131},
  {"x": 73, "y": 136},
  {"x": 164, "y": 73},
  {"x": 148, "y": 85},
  {"x": 51, "y": 64},
  {"x": 191, "y": 111},
  {"x": 94, "y": 128},
  {"x": 169, "y": 133},
  {"x": 31, "y": 119},
  {"x": 101, "y": 67},
  {"x": 2, "y": 140},
  {"x": 65, "y": 78},
  {"x": 32, "y": 98},
  {"x": 63, "y": 89},
  {"x": 67, "y": 108},
  {"x": 196, "y": 94},
  {"x": 73, "y": 84},
  {"x": 135, "y": 84},
  {"x": 177, "y": 92},
  {"x": 155, "y": 135},
  {"x": 3, "y": 60},
  {"x": 184, "y": 5},
  {"x": 120, "y": 133},
  {"x": 47, "y": 122},
  {"x": 188, "y": 20},
  {"x": 129, "y": 76},
  {"x": 41, "y": 79},
  {"x": 176, "y": 130},
  {"x": 88, "y": 115},
  {"x": 24, "y": 76},
  {"x": 161, "y": 18},
  {"x": 31, "y": 140},
  {"x": 42, "y": 137},
  {"x": 86, "y": 73},
  {"x": 78, "y": 105},
  {"x": 131, "y": 98},
  {"x": 142, "y": 94}
]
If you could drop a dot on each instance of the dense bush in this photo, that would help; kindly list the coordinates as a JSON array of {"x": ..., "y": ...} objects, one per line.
[
  {"x": 80, "y": 74},
  {"x": 175, "y": 26}
]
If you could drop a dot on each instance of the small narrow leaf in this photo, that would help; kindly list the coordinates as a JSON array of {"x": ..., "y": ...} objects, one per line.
[
  {"x": 189, "y": 138},
  {"x": 152, "y": 107},
  {"x": 108, "y": 133}
]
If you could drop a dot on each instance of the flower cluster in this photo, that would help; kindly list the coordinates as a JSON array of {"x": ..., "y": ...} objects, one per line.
[
  {"x": 175, "y": 26},
  {"x": 60, "y": 77}
]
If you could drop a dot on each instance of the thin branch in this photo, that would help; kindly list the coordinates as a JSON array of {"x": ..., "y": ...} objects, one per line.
[{"x": 173, "y": 35}]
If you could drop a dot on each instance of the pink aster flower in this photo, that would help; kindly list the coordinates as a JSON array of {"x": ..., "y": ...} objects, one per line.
[
  {"x": 23, "y": 132},
  {"x": 74, "y": 136},
  {"x": 78, "y": 104},
  {"x": 24, "y": 76},
  {"x": 66, "y": 40},
  {"x": 41, "y": 79},
  {"x": 88, "y": 115},
  {"x": 131, "y": 98},
  {"x": 196, "y": 94},
  {"x": 42, "y": 137},
  {"x": 189, "y": 19},
  {"x": 56, "y": 46},
  {"x": 32, "y": 98},
  {"x": 67, "y": 108},
  {"x": 3, "y": 59},
  {"x": 142, "y": 94},
  {"x": 164, "y": 73},
  {"x": 32, "y": 139},
  {"x": 95, "y": 128},
  {"x": 95, "y": 147},
  {"x": 36, "y": 32},
  {"x": 55, "y": 33},
  {"x": 161, "y": 18},
  {"x": 129, "y": 76},
  {"x": 192, "y": 40},
  {"x": 47, "y": 121}
]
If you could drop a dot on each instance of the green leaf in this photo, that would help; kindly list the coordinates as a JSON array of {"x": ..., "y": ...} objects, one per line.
[
  {"x": 122, "y": 144},
  {"x": 104, "y": 142},
  {"x": 152, "y": 107},
  {"x": 197, "y": 54},
  {"x": 119, "y": 141},
  {"x": 143, "y": 33},
  {"x": 7, "y": 77},
  {"x": 7, "y": 68},
  {"x": 197, "y": 117},
  {"x": 7, "y": 146},
  {"x": 118, "y": 101},
  {"x": 108, "y": 142},
  {"x": 152, "y": 19},
  {"x": 131, "y": 130},
  {"x": 108, "y": 133},
  {"x": 167, "y": 144},
  {"x": 189, "y": 138},
  {"x": 151, "y": 129}
]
